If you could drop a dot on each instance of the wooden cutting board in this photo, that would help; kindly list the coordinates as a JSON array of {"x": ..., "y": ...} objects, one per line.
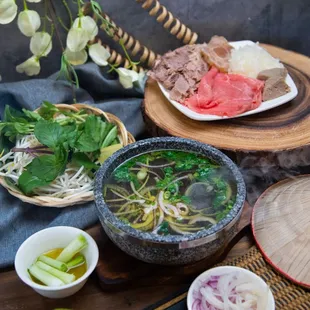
[
  {"x": 117, "y": 270},
  {"x": 283, "y": 128},
  {"x": 281, "y": 227}
]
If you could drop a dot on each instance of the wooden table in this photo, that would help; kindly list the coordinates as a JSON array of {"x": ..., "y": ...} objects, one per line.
[{"x": 14, "y": 294}]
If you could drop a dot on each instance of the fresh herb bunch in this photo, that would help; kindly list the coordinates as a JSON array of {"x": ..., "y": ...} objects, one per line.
[{"x": 75, "y": 138}]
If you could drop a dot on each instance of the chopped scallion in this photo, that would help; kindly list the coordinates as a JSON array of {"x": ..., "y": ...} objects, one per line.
[
  {"x": 53, "y": 263},
  {"x": 63, "y": 276},
  {"x": 76, "y": 262},
  {"x": 72, "y": 248},
  {"x": 45, "y": 277}
]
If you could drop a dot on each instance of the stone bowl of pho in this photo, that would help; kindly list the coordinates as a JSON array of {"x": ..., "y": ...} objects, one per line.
[{"x": 169, "y": 200}]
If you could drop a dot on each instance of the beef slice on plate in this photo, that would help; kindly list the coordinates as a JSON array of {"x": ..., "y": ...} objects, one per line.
[{"x": 275, "y": 85}]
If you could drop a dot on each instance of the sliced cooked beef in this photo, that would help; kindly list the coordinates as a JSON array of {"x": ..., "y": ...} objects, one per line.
[
  {"x": 275, "y": 88},
  {"x": 217, "y": 53},
  {"x": 275, "y": 85},
  {"x": 226, "y": 94},
  {"x": 180, "y": 88},
  {"x": 180, "y": 71},
  {"x": 279, "y": 73},
  {"x": 170, "y": 80}
]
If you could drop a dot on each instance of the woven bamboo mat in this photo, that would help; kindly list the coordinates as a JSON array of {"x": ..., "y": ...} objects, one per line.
[{"x": 287, "y": 295}]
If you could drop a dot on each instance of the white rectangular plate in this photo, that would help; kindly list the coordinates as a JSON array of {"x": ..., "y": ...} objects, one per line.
[{"x": 266, "y": 105}]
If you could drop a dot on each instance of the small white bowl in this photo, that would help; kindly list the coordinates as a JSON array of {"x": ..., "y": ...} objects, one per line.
[
  {"x": 226, "y": 269},
  {"x": 49, "y": 239}
]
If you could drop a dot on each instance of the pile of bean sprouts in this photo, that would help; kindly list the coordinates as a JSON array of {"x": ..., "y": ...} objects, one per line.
[{"x": 73, "y": 182}]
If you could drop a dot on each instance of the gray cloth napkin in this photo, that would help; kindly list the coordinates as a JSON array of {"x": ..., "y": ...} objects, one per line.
[{"x": 19, "y": 220}]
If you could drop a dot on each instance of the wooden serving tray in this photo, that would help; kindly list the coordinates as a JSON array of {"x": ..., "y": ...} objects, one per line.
[{"x": 117, "y": 269}]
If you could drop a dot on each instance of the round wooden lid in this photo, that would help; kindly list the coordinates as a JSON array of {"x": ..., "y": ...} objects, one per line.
[
  {"x": 281, "y": 227},
  {"x": 282, "y": 128}
]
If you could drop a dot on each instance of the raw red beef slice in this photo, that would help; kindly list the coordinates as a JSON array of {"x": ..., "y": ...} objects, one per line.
[{"x": 226, "y": 94}]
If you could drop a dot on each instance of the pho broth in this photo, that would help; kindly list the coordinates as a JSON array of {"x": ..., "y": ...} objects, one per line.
[{"x": 170, "y": 192}]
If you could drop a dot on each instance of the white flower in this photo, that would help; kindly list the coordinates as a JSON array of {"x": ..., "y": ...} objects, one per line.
[
  {"x": 127, "y": 77},
  {"x": 33, "y": 1},
  {"x": 41, "y": 44},
  {"x": 8, "y": 11},
  {"x": 76, "y": 58},
  {"x": 88, "y": 24},
  {"x": 99, "y": 54},
  {"x": 28, "y": 22},
  {"x": 141, "y": 80},
  {"x": 77, "y": 39},
  {"x": 31, "y": 66}
]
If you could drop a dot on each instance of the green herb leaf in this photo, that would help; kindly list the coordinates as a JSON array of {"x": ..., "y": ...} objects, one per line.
[
  {"x": 47, "y": 167},
  {"x": 92, "y": 134},
  {"x": 5, "y": 143},
  {"x": 168, "y": 178},
  {"x": 43, "y": 170},
  {"x": 14, "y": 123},
  {"x": 49, "y": 133},
  {"x": 81, "y": 159},
  {"x": 28, "y": 182},
  {"x": 33, "y": 116},
  {"x": 11, "y": 130},
  {"x": 110, "y": 137},
  {"x": 164, "y": 228},
  {"x": 70, "y": 135},
  {"x": 2, "y": 126},
  {"x": 52, "y": 134},
  {"x": 95, "y": 127},
  {"x": 85, "y": 143},
  {"x": 47, "y": 110},
  {"x": 123, "y": 174},
  {"x": 12, "y": 115}
]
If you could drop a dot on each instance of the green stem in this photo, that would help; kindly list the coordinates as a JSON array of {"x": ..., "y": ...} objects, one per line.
[
  {"x": 113, "y": 67},
  {"x": 121, "y": 43},
  {"x": 79, "y": 7},
  {"x": 62, "y": 23},
  {"x": 107, "y": 25},
  {"x": 25, "y": 5},
  {"x": 68, "y": 11},
  {"x": 64, "y": 62}
]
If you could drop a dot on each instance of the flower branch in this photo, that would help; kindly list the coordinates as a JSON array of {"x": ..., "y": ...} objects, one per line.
[{"x": 81, "y": 39}]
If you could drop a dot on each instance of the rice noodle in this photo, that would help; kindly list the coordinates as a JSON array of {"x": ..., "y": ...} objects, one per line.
[
  {"x": 160, "y": 220},
  {"x": 168, "y": 209}
]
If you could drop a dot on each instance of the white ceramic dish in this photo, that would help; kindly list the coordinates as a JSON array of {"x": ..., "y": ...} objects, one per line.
[
  {"x": 223, "y": 269},
  {"x": 48, "y": 239},
  {"x": 267, "y": 105}
]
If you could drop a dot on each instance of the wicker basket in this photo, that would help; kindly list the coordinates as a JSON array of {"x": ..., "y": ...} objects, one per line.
[{"x": 46, "y": 201}]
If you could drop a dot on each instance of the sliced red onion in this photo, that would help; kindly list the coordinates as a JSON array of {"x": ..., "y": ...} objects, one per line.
[{"x": 230, "y": 291}]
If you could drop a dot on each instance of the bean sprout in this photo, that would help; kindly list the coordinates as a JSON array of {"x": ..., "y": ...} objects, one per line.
[{"x": 73, "y": 182}]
